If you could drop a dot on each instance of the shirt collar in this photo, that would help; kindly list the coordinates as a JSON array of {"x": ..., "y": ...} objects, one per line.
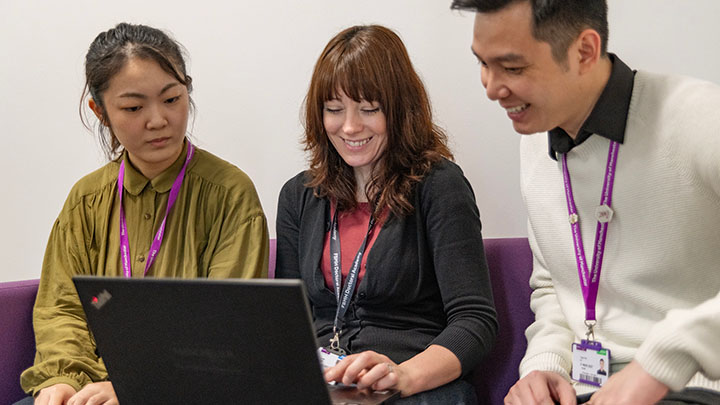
[
  {"x": 609, "y": 116},
  {"x": 135, "y": 182}
]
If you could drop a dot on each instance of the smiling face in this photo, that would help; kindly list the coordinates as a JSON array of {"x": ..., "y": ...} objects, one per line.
[
  {"x": 357, "y": 130},
  {"x": 519, "y": 72},
  {"x": 147, "y": 110}
]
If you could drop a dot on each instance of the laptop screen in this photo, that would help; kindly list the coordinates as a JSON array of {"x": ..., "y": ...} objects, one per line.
[{"x": 204, "y": 341}]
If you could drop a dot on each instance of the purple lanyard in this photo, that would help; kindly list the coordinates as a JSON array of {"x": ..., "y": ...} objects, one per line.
[
  {"x": 157, "y": 241},
  {"x": 590, "y": 279}
]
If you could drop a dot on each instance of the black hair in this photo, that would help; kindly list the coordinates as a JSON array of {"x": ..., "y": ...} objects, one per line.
[
  {"x": 557, "y": 22},
  {"x": 109, "y": 53}
]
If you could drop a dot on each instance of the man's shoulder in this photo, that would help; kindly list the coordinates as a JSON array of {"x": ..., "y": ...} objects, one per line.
[
  {"x": 676, "y": 106},
  {"x": 664, "y": 94}
]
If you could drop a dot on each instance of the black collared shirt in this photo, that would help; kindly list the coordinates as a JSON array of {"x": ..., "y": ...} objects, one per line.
[{"x": 608, "y": 117}]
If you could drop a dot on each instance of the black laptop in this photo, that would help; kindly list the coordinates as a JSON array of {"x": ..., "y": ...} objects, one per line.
[{"x": 201, "y": 341}]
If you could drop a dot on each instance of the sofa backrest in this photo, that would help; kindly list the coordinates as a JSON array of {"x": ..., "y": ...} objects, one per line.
[
  {"x": 17, "y": 340},
  {"x": 510, "y": 264},
  {"x": 509, "y": 260},
  {"x": 271, "y": 261}
]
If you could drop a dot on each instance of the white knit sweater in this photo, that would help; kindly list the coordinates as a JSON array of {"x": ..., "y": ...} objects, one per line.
[{"x": 659, "y": 300}]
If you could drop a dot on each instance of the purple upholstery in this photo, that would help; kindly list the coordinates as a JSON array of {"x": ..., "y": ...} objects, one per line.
[
  {"x": 271, "y": 262},
  {"x": 17, "y": 342},
  {"x": 510, "y": 263}
]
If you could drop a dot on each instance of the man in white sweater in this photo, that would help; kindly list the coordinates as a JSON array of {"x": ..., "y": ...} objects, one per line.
[{"x": 623, "y": 216}]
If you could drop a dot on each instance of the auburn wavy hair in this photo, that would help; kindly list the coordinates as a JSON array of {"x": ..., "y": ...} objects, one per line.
[{"x": 370, "y": 62}]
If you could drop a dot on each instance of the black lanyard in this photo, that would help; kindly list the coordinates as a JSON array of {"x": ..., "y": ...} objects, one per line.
[{"x": 343, "y": 297}]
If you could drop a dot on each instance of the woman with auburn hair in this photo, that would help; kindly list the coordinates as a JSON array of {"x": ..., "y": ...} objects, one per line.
[{"x": 406, "y": 296}]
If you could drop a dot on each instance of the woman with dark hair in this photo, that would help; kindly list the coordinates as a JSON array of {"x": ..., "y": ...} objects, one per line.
[
  {"x": 160, "y": 208},
  {"x": 406, "y": 295}
]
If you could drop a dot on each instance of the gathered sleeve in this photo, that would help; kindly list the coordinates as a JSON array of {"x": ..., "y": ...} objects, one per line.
[
  {"x": 240, "y": 245},
  {"x": 65, "y": 348}
]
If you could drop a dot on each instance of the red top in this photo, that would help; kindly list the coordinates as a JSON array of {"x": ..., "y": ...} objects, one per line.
[{"x": 352, "y": 228}]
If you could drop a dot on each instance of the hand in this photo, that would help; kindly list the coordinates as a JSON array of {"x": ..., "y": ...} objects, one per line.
[
  {"x": 369, "y": 370},
  {"x": 57, "y": 394},
  {"x": 632, "y": 385},
  {"x": 541, "y": 387},
  {"x": 100, "y": 393}
]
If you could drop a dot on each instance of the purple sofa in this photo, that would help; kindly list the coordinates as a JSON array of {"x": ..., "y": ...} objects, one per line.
[
  {"x": 510, "y": 262},
  {"x": 17, "y": 343}
]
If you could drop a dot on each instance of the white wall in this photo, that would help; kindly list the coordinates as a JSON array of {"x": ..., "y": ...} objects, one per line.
[{"x": 251, "y": 63}]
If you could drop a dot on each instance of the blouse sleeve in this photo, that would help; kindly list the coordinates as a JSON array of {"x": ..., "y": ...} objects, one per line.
[
  {"x": 241, "y": 245},
  {"x": 65, "y": 349},
  {"x": 455, "y": 239}
]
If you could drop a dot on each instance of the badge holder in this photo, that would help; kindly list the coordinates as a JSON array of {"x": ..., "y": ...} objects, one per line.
[
  {"x": 330, "y": 356},
  {"x": 591, "y": 362}
]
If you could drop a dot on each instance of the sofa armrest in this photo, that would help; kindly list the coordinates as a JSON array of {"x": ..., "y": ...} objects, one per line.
[{"x": 17, "y": 341}]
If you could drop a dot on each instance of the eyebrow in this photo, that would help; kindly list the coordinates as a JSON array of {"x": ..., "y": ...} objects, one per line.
[
  {"x": 143, "y": 96},
  {"x": 508, "y": 57}
]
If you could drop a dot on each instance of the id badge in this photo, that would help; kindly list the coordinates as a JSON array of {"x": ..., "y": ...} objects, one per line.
[
  {"x": 591, "y": 363},
  {"x": 328, "y": 357}
]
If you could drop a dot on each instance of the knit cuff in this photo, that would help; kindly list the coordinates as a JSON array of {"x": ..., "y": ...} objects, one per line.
[
  {"x": 547, "y": 361},
  {"x": 663, "y": 357},
  {"x": 467, "y": 349}
]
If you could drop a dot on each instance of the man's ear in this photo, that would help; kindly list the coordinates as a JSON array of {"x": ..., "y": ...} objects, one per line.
[
  {"x": 587, "y": 50},
  {"x": 97, "y": 110}
]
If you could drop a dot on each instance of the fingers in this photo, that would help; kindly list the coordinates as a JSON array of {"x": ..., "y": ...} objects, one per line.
[
  {"x": 562, "y": 391},
  {"x": 543, "y": 388},
  {"x": 366, "y": 369},
  {"x": 540, "y": 392},
  {"x": 101, "y": 393},
  {"x": 42, "y": 399},
  {"x": 54, "y": 395},
  {"x": 56, "y": 398},
  {"x": 531, "y": 390},
  {"x": 380, "y": 376},
  {"x": 336, "y": 372},
  {"x": 389, "y": 380}
]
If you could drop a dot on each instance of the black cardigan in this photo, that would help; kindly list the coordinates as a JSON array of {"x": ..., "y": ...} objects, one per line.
[{"x": 426, "y": 279}]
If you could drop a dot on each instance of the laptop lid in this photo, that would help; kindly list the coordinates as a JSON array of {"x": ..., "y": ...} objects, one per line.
[{"x": 204, "y": 341}]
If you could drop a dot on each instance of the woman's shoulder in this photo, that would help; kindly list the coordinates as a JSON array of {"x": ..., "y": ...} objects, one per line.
[
  {"x": 211, "y": 169},
  {"x": 444, "y": 181},
  {"x": 442, "y": 172},
  {"x": 100, "y": 181},
  {"x": 298, "y": 182},
  {"x": 296, "y": 187},
  {"x": 91, "y": 189}
]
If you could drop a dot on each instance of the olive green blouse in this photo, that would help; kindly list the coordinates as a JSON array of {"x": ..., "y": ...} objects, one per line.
[{"x": 216, "y": 229}]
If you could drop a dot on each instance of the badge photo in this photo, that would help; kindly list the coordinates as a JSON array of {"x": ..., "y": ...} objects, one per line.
[{"x": 591, "y": 363}]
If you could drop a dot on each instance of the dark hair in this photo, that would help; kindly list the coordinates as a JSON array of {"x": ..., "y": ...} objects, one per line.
[
  {"x": 371, "y": 63},
  {"x": 557, "y": 22},
  {"x": 109, "y": 53}
]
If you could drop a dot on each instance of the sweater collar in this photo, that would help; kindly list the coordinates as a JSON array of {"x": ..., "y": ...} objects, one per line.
[
  {"x": 609, "y": 116},
  {"x": 135, "y": 182}
]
